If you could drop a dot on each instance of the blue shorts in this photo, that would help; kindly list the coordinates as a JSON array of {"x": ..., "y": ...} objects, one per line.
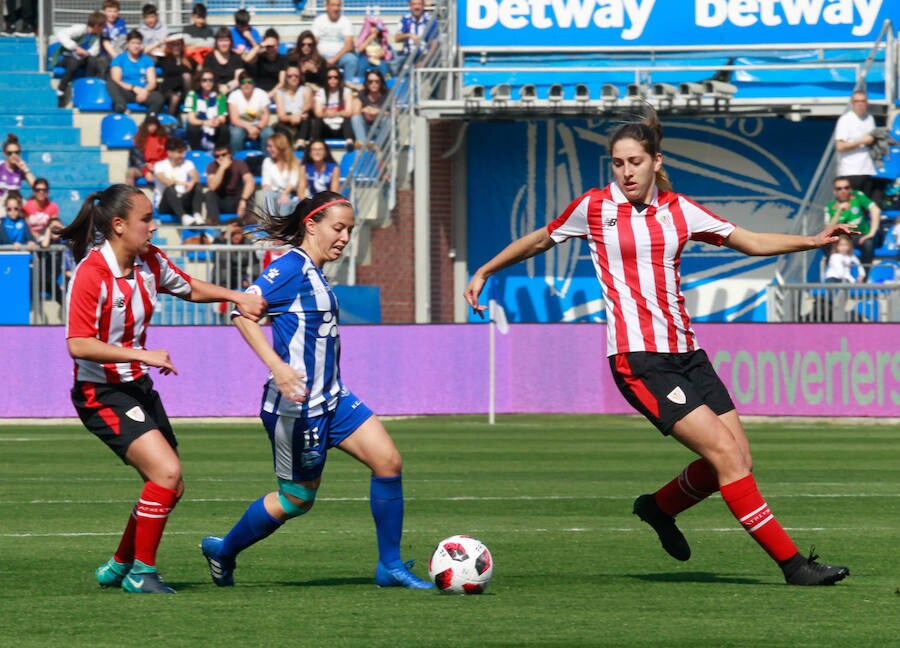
[{"x": 299, "y": 445}]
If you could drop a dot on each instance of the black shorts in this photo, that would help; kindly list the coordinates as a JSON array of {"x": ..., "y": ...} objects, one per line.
[
  {"x": 666, "y": 387},
  {"x": 118, "y": 413}
]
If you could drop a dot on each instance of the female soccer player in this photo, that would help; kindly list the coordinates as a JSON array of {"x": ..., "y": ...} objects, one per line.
[
  {"x": 110, "y": 302},
  {"x": 636, "y": 228},
  {"x": 306, "y": 408}
]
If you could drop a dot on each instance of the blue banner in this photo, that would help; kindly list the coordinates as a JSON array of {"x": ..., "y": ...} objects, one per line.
[
  {"x": 751, "y": 171},
  {"x": 656, "y": 23}
]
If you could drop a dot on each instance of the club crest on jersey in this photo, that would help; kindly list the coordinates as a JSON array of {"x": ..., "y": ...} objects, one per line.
[
  {"x": 119, "y": 302},
  {"x": 677, "y": 396},
  {"x": 136, "y": 414},
  {"x": 664, "y": 218},
  {"x": 271, "y": 275}
]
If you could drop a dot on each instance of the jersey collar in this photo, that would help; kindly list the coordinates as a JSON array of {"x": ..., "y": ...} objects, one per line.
[
  {"x": 110, "y": 257},
  {"x": 619, "y": 197}
]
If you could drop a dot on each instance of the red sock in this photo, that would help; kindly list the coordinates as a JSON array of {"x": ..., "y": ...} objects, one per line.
[
  {"x": 125, "y": 552},
  {"x": 695, "y": 483},
  {"x": 153, "y": 510},
  {"x": 749, "y": 507}
]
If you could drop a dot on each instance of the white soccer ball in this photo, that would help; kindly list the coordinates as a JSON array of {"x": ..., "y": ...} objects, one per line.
[{"x": 461, "y": 564}]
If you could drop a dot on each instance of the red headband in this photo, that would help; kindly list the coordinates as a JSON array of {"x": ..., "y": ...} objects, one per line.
[{"x": 325, "y": 206}]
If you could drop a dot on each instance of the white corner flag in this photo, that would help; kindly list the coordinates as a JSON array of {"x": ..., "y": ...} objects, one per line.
[
  {"x": 496, "y": 312},
  {"x": 498, "y": 321}
]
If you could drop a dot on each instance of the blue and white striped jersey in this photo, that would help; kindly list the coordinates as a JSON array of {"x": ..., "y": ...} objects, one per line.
[{"x": 304, "y": 315}]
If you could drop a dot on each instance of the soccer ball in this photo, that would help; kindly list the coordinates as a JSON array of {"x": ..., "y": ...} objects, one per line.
[{"x": 461, "y": 564}]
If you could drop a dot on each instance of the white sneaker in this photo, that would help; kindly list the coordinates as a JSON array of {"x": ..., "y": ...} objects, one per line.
[
  {"x": 199, "y": 219},
  {"x": 187, "y": 220}
]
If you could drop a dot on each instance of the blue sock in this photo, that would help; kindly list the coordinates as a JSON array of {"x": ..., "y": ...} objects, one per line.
[
  {"x": 386, "y": 501},
  {"x": 254, "y": 525}
]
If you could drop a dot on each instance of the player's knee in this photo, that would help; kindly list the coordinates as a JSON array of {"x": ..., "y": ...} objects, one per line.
[
  {"x": 388, "y": 466},
  {"x": 295, "y": 498}
]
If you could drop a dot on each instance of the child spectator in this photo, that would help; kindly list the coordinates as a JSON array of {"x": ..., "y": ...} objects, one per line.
[
  {"x": 306, "y": 55},
  {"x": 333, "y": 108},
  {"x": 114, "y": 31},
  {"x": 148, "y": 149},
  {"x": 269, "y": 65},
  {"x": 245, "y": 39},
  {"x": 321, "y": 172},
  {"x": 153, "y": 30},
  {"x": 132, "y": 77},
  {"x": 334, "y": 37},
  {"x": 177, "y": 72},
  {"x": 373, "y": 46},
  {"x": 177, "y": 189},
  {"x": 843, "y": 266},
  {"x": 248, "y": 112},
  {"x": 374, "y": 60},
  {"x": 13, "y": 169},
  {"x": 280, "y": 176},
  {"x": 224, "y": 63},
  {"x": 79, "y": 47},
  {"x": 417, "y": 29},
  {"x": 369, "y": 102},
  {"x": 230, "y": 186},
  {"x": 200, "y": 38},
  {"x": 40, "y": 210},
  {"x": 207, "y": 114},
  {"x": 292, "y": 105},
  {"x": 17, "y": 231}
]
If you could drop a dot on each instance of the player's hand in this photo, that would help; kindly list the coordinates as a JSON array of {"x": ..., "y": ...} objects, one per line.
[
  {"x": 476, "y": 285},
  {"x": 159, "y": 358},
  {"x": 251, "y": 305},
  {"x": 290, "y": 382},
  {"x": 831, "y": 233}
]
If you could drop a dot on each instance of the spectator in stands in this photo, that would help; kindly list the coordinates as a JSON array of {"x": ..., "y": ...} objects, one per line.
[
  {"x": 853, "y": 136},
  {"x": 177, "y": 189},
  {"x": 333, "y": 108},
  {"x": 225, "y": 64},
  {"x": 292, "y": 105},
  {"x": 373, "y": 46},
  {"x": 334, "y": 38},
  {"x": 850, "y": 207},
  {"x": 153, "y": 30},
  {"x": 17, "y": 231},
  {"x": 79, "y": 47},
  {"x": 207, "y": 114},
  {"x": 149, "y": 147},
  {"x": 235, "y": 269},
  {"x": 320, "y": 171},
  {"x": 843, "y": 266},
  {"x": 417, "y": 30},
  {"x": 200, "y": 38},
  {"x": 132, "y": 78},
  {"x": 14, "y": 169},
  {"x": 306, "y": 56},
  {"x": 369, "y": 102},
  {"x": 114, "y": 31},
  {"x": 39, "y": 210},
  {"x": 269, "y": 65},
  {"x": 230, "y": 186},
  {"x": 177, "y": 73},
  {"x": 280, "y": 176},
  {"x": 248, "y": 112},
  {"x": 245, "y": 38}
]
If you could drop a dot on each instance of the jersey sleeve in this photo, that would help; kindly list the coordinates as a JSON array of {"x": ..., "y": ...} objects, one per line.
[
  {"x": 703, "y": 225},
  {"x": 87, "y": 293},
  {"x": 172, "y": 279},
  {"x": 280, "y": 284},
  {"x": 573, "y": 221}
]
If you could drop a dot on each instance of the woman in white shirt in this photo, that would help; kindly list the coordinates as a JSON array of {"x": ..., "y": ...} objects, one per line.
[
  {"x": 280, "y": 176},
  {"x": 333, "y": 107},
  {"x": 292, "y": 105},
  {"x": 248, "y": 111}
]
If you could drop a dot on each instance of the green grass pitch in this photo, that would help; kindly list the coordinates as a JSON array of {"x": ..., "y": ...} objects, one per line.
[{"x": 550, "y": 495}]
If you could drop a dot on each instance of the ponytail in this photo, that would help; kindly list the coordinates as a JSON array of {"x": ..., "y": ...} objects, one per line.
[
  {"x": 291, "y": 229},
  {"x": 80, "y": 233},
  {"x": 93, "y": 224}
]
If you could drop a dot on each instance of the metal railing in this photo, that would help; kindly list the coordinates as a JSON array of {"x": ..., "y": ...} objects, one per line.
[{"x": 833, "y": 302}]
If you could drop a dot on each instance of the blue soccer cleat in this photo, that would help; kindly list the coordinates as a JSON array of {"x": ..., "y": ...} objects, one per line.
[
  {"x": 400, "y": 577},
  {"x": 221, "y": 569},
  {"x": 111, "y": 573}
]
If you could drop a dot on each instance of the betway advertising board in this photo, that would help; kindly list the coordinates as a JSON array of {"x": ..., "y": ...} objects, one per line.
[{"x": 660, "y": 23}]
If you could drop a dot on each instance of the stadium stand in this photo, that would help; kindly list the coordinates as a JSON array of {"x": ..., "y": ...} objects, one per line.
[{"x": 117, "y": 131}]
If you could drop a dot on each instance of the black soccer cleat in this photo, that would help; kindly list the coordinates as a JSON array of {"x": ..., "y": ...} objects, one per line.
[
  {"x": 672, "y": 540},
  {"x": 806, "y": 571}
]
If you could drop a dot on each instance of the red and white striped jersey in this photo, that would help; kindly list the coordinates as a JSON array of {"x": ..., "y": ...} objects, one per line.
[
  {"x": 103, "y": 304},
  {"x": 636, "y": 256}
]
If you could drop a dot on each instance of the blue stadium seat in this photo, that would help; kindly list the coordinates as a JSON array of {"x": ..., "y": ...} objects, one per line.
[
  {"x": 890, "y": 165},
  {"x": 888, "y": 249},
  {"x": 117, "y": 131},
  {"x": 90, "y": 95},
  {"x": 884, "y": 272},
  {"x": 201, "y": 160},
  {"x": 168, "y": 121},
  {"x": 895, "y": 127},
  {"x": 346, "y": 163}
]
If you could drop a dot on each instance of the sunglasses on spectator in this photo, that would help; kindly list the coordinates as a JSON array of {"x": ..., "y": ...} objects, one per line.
[
  {"x": 842, "y": 188},
  {"x": 12, "y": 151},
  {"x": 222, "y": 154},
  {"x": 207, "y": 80},
  {"x": 292, "y": 76},
  {"x": 40, "y": 190},
  {"x": 306, "y": 44},
  {"x": 373, "y": 80},
  {"x": 13, "y": 209},
  {"x": 334, "y": 76},
  {"x": 248, "y": 82}
]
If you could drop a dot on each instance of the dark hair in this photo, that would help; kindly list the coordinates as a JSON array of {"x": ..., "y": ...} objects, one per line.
[
  {"x": 96, "y": 19},
  {"x": 134, "y": 34},
  {"x": 297, "y": 52},
  {"x": 224, "y": 32},
  {"x": 13, "y": 194},
  {"x": 38, "y": 181},
  {"x": 382, "y": 85},
  {"x": 140, "y": 137},
  {"x": 175, "y": 144},
  {"x": 199, "y": 10},
  {"x": 11, "y": 139},
  {"x": 291, "y": 229},
  {"x": 241, "y": 17},
  {"x": 149, "y": 10},
  {"x": 93, "y": 223},
  {"x": 271, "y": 32},
  {"x": 245, "y": 74},
  {"x": 328, "y": 156},
  {"x": 647, "y": 133}
]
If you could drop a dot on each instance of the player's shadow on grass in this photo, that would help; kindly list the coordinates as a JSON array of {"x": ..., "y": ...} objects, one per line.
[
  {"x": 328, "y": 582},
  {"x": 694, "y": 577}
]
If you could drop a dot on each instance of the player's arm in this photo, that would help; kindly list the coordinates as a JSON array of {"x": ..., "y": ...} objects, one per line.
[
  {"x": 251, "y": 305},
  {"x": 770, "y": 243},
  {"x": 524, "y": 248},
  {"x": 290, "y": 382},
  {"x": 90, "y": 348}
]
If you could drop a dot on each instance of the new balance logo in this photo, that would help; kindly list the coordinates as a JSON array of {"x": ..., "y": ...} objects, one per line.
[
  {"x": 119, "y": 302},
  {"x": 610, "y": 222}
]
